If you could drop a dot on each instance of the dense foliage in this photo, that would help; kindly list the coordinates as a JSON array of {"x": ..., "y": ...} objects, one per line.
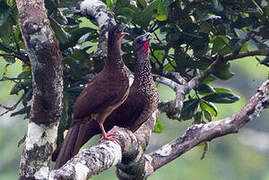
[{"x": 187, "y": 37}]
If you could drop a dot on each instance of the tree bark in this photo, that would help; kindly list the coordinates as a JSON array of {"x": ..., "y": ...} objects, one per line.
[{"x": 46, "y": 65}]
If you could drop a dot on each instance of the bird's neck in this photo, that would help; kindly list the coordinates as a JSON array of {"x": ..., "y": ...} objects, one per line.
[
  {"x": 142, "y": 68},
  {"x": 114, "y": 60}
]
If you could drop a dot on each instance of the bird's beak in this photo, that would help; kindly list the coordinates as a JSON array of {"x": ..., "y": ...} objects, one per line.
[
  {"x": 146, "y": 37},
  {"x": 123, "y": 28}
]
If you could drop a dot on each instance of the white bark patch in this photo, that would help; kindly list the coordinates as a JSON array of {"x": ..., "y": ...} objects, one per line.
[
  {"x": 42, "y": 173},
  {"x": 91, "y": 6},
  {"x": 39, "y": 37},
  {"x": 81, "y": 171},
  {"x": 148, "y": 166},
  {"x": 114, "y": 149},
  {"x": 259, "y": 107},
  {"x": 40, "y": 135},
  {"x": 166, "y": 150}
]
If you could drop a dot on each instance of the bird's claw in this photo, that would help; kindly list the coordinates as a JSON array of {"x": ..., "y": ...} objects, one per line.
[{"x": 108, "y": 137}]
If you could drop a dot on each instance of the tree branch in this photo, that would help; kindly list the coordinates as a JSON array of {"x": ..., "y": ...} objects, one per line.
[
  {"x": 104, "y": 18},
  {"x": 206, "y": 132},
  {"x": 260, "y": 52},
  {"x": 11, "y": 108},
  {"x": 46, "y": 65},
  {"x": 105, "y": 154}
]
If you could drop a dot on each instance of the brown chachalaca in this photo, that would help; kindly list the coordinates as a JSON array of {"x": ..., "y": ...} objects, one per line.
[{"x": 108, "y": 90}]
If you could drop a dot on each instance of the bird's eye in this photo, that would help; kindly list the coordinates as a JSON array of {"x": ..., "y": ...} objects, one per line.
[{"x": 139, "y": 40}]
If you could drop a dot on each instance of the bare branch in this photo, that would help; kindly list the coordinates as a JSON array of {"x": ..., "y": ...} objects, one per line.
[
  {"x": 260, "y": 52},
  {"x": 206, "y": 132},
  {"x": 10, "y": 79},
  {"x": 11, "y": 108}
]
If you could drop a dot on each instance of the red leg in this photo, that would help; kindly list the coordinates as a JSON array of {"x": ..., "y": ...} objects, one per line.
[{"x": 108, "y": 135}]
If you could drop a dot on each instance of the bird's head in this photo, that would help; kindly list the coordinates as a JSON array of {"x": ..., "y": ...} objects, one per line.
[
  {"x": 141, "y": 43},
  {"x": 116, "y": 33}
]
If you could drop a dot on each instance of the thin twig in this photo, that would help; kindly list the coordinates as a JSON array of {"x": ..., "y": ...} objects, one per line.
[
  {"x": 11, "y": 108},
  {"x": 10, "y": 79}
]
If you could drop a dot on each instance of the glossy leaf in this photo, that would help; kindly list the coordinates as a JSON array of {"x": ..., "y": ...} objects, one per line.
[
  {"x": 198, "y": 118},
  {"x": 209, "y": 79},
  {"x": 189, "y": 108},
  {"x": 222, "y": 71},
  {"x": 222, "y": 90},
  {"x": 220, "y": 45},
  {"x": 210, "y": 107},
  {"x": 207, "y": 115},
  {"x": 204, "y": 88},
  {"x": 143, "y": 3},
  {"x": 109, "y": 3},
  {"x": 221, "y": 98}
]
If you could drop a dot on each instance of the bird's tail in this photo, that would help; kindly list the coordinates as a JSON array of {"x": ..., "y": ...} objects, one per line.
[{"x": 76, "y": 137}]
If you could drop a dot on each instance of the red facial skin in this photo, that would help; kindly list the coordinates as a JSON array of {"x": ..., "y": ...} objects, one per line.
[{"x": 145, "y": 46}]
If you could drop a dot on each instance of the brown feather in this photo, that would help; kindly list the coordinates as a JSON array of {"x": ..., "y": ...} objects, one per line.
[{"x": 106, "y": 92}]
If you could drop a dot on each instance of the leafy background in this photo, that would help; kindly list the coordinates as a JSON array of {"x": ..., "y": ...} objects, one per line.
[
  {"x": 228, "y": 157},
  {"x": 187, "y": 38}
]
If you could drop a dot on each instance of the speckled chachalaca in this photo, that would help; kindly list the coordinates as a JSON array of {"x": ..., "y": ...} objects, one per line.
[{"x": 108, "y": 90}]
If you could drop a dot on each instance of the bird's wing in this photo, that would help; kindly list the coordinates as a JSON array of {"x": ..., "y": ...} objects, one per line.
[
  {"x": 144, "y": 114},
  {"x": 97, "y": 96}
]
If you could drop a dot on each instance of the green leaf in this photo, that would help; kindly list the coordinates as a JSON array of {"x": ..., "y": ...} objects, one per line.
[
  {"x": 5, "y": 69},
  {"x": 210, "y": 107},
  {"x": 221, "y": 98},
  {"x": 162, "y": 12},
  {"x": 143, "y": 3},
  {"x": 10, "y": 2},
  {"x": 109, "y": 3},
  {"x": 221, "y": 45},
  {"x": 204, "y": 88},
  {"x": 218, "y": 6},
  {"x": 20, "y": 86},
  {"x": 207, "y": 115},
  {"x": 126, "y": 12},
  {"x": 158, "y": 128},
  {"x": 209, "y": 79},
  {"x": 240, "y": 34},
  {"x": 4, "y": 13},
  {"x": 159, "y": 54},
  {"x": 189, "y": 108},
  {"x": 60, "y": 33},
  {"x": 143, "y": 17},
  {"x": 161, "y": 17},
  {"x": 222, "y": 71},
  {"x": 10, "y": 59},
  {"x": 24, "y": 74},
  {"x": 198, "y": 118},
  {"x": 222, "y": 90},
  {"x": 85, "y": 37}
]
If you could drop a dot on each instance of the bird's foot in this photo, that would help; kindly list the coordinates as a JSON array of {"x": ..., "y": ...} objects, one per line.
[{"x": 108, "y": 136}]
